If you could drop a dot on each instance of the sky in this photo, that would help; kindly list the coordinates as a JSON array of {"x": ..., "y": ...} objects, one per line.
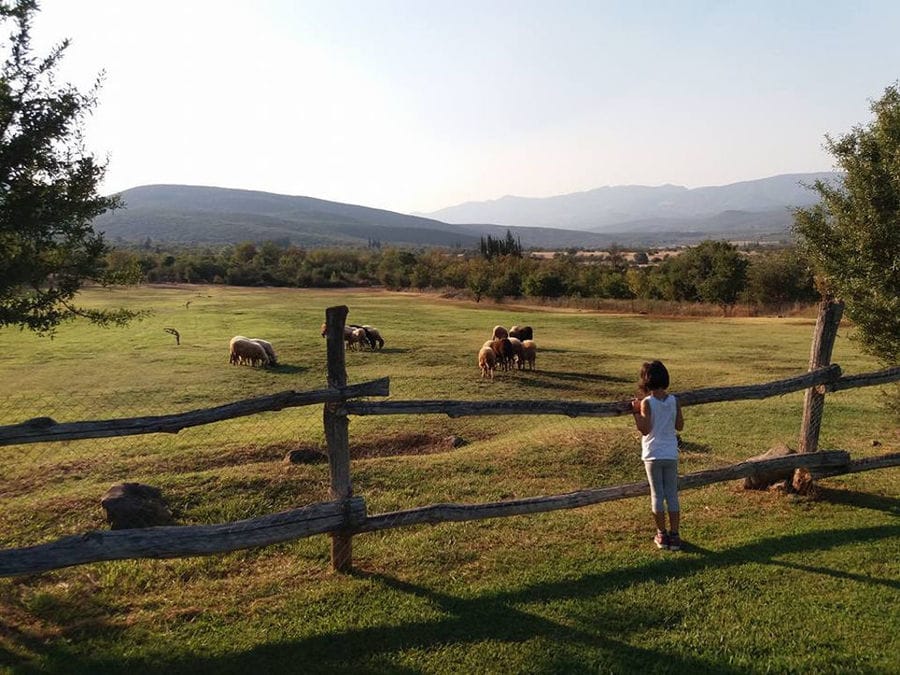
[{"x": 416, "y": 105}]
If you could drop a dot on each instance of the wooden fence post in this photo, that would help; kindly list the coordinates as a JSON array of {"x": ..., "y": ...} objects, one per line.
[
  {"x": 337, "y": 435},
  {"x": 830, "y": 312}
]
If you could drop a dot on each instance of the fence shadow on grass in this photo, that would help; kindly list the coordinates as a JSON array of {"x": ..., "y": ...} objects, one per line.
[
  {"x": 862, "y": 500},
  {"x": 495, "y": 617},
  {"x": 288, "y": 369},
  {"x": 570, "y": 376}
]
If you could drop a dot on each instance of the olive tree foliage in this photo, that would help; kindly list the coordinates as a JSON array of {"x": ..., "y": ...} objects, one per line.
[
  {"x": 48, "y": 187},
  {"x": 713, "y": 272},
  {"x": 852, "y": 236}
]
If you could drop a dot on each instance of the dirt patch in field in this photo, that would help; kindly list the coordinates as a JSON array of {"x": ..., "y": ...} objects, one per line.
[
  {"x": 408, "y": 443},
  {"x": 45, "y": 475}
]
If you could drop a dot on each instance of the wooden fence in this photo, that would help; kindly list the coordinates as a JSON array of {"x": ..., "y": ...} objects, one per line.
[{"x": 345, "y": 514}]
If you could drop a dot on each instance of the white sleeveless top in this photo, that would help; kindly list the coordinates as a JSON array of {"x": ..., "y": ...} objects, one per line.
[{"x": 661, "y": 442}]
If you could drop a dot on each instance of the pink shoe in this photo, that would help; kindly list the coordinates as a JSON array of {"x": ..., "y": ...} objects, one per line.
[{"x": 661, "y": 540}]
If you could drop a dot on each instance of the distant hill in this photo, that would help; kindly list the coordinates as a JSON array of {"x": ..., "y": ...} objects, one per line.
[
  {"x": 210, "y": 215},
  {"x": 663, "y": 208},
  {"x": 628, "y": 215}
]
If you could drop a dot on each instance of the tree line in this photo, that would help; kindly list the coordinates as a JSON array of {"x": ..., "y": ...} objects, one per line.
[{"x": 715, "y": 272}]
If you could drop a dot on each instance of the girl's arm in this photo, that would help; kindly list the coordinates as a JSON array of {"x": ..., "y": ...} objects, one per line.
[
  {"x": 679, "y": 419},
  {"x": 642, "y": 416}
]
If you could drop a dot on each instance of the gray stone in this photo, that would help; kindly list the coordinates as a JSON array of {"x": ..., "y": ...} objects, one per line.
[
  {"x": 304, "y": 456},
  {"x": 131, "y": 505}
]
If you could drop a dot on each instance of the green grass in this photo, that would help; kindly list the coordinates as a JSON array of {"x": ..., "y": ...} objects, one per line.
[{"x": 767, "y": 583}]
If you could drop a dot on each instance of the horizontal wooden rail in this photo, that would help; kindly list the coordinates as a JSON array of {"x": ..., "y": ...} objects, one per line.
[
  {"x": 350, "y": 516},
  {"x": 175, "y": 541},
  {"x": 857, "y": 465},
  {"x": 44, "y": 429},
  {"x": 438, "y": 513},
  {"x": 583, "y": 409},
  {"x": 866, "y": 379}
]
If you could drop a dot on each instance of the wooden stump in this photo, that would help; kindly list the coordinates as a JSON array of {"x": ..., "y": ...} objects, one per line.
[{"x": 765, "y": 479}]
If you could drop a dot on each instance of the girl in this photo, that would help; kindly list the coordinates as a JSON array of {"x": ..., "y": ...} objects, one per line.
[{"x": 658, "y": 416}]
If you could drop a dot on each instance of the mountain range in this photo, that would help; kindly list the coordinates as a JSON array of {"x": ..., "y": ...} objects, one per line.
[
  {"x": 627, "y": 215},
  {"x": 624, "y": 207}
]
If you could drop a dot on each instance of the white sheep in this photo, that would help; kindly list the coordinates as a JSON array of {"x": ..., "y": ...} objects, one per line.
[
  {"x": 245, "y": 351},
  {"x": 270, "y": 351},
  {"x": 357, "y": 337}
]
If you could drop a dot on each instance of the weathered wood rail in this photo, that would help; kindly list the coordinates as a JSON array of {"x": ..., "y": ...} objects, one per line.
[
  {"x": 43, "y": 429},
  {"x": 822, "y": 376},
  {"x": 345, "y": 515},
  {"x": 176, "y": 541},
  {"x": 348, "y": 517}
]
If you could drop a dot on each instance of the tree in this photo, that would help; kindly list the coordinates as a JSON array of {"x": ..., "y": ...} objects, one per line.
[
  {"x": 779, "y": 277},
  {"x": 712, "y": 271},
  {"x": 852, "y": 235},
  {"x": 48, "y": 188}
]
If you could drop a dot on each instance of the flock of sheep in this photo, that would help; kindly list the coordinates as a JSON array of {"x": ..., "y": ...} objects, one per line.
[
  {"x": 244, "y": 351},
  {"x": 360, "y": 337},
  {"x": 507, "y": 348}
]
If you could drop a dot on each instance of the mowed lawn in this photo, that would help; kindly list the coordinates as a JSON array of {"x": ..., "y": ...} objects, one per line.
[{"x": 766, "y": 583}]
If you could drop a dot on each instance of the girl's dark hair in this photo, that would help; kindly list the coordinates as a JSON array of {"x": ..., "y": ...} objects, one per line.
[{"x": 653, "y": 376}]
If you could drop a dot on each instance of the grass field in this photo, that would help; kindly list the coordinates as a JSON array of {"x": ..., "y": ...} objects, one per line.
[{"x": 767, "y": 582}]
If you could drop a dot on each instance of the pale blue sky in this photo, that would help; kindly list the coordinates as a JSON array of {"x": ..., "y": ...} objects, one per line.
[{"x": 417, "y": 105}]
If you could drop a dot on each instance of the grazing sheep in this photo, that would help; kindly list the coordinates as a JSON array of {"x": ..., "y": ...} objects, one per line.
[
  {"x": 373, "y": 335},
  {"x": 348, "y": 335},
  {"x": 504, "y": 351},
  {"x": 530, "y": 350},
  {"x": 232, "y": 356},
  {"x": 487, "y": 361},
  {"x": 518, "y": 351},
  {"x": 270, "y": 352},
  {"x": 522, "y": 332},
  {"x": 245, "y": 351},
  {"x": 357, "y": 337},
  {"x": 499, "y": 333}
]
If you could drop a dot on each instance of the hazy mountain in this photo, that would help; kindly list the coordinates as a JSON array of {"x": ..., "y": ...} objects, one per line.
[
  {"x": 627, "y": 215},
  {"x": 209, "y": 215},
  {"x": 619, "y": 208}
]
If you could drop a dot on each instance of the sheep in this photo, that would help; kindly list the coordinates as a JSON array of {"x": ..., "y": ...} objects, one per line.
[
  {"x": 518, "y": 351},
  {"x": 504, "y": 351},
  {"x": 348, "y": 335},
  {"x": 530, "y": 349},
  {"x": 499, "y": 333},
  {"x": 373, "y": 335},
  {"x": 357, "y": 337},
  {"x": 232, "y": 355},
  {"x": 522, "y": 332},
  {"x": 245, "y": 351},
  {"x": 487, "y": 361},
  {"x": 270, "y": 352}
]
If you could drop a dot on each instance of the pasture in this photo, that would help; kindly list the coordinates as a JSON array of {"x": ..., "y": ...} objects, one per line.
[{"x": 767, "y": 582}]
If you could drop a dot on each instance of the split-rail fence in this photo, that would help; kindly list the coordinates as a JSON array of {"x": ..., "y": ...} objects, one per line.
[{"x": 345, "y": 514}]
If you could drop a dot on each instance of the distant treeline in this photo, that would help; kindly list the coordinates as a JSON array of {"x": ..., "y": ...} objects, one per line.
[{"x": 712, "y": 272}]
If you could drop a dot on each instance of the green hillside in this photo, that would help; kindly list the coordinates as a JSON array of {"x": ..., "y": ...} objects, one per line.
[{"x": 209, "y": 215}]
